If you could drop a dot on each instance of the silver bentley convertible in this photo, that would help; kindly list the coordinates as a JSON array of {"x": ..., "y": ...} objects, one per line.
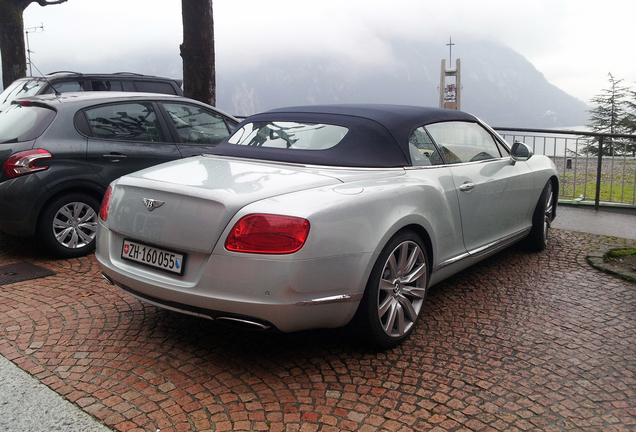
[{"x": 321, "y": 216}]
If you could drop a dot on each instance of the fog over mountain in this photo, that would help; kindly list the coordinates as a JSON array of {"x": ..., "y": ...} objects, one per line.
[{"x": 498, "y": 84}]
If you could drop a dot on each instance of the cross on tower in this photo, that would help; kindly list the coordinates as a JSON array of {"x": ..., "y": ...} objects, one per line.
[{"x": 450, "y": 47}]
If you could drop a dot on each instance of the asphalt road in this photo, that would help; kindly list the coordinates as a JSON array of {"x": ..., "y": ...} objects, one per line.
[{"x": 607, "y": 221}]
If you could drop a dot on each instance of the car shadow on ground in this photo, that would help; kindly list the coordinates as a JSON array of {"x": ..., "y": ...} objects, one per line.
[{"x": 22, "y": 247}]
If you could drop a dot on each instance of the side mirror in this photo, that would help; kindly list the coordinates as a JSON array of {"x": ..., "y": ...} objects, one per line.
[{"x": 520, "y": 152}]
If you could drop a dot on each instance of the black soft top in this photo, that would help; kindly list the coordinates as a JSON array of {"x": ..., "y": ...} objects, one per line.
[{"x": 377, "y": 138}]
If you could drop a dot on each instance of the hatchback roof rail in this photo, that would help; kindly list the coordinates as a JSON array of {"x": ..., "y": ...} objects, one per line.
[
  {"x": 129, "y": 73},
  {"x": 64, "y": 72}
]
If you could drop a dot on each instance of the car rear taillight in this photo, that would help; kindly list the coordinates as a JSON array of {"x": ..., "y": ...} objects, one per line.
[
  {"x": 268, "y": 234},
  {"x": 23, "y": 163},
  {"x": 103, "y": 210}
]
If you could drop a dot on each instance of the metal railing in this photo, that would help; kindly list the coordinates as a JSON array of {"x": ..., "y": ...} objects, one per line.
[{"x": 585, "y": 174}]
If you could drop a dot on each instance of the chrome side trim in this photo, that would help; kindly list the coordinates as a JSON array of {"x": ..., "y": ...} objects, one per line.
[
  {"x": 490, "y": 247},
  {"x": 450, "y": 261},
  {"x": 342, "y": 298},
  {"x": 501, "y": 242}
]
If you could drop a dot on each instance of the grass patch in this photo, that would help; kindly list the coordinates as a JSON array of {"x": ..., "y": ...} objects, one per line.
[
  {"x": 619, "y": 193},
  {"x": 622, "y": 253},
  {"x": 618, "y": 184}
]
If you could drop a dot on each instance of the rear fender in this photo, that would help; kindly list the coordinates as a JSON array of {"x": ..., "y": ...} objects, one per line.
[{"x": 361, "y": 220}]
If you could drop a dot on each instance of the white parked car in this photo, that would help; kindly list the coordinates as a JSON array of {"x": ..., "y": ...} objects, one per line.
[{"x": 318, "y": 216}]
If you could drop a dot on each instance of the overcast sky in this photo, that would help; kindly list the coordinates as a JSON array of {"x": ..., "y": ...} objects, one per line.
[{"x": 574, "y": 43}]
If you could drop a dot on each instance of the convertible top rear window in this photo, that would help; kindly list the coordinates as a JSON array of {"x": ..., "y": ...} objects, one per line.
[{"x": 289, "y": 135}]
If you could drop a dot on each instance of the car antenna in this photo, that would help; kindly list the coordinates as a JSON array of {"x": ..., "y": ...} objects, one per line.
[{"x": 57, "y": 93}]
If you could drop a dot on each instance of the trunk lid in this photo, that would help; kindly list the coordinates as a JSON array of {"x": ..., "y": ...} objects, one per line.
[{"x": 199, "y": 197}]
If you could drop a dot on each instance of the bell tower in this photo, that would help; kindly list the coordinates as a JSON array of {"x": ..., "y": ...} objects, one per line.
[{"x": 450, "y": 89}]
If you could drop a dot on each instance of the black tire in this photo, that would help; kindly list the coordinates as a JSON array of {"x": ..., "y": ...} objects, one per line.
[
  {"x": 387, "y": 316},
  {"x": 67, "y": 225},
  {"x": 542, "y": 218}
]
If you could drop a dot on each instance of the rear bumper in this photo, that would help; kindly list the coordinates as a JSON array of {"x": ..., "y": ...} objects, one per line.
[
  {"x": 286, "y": 294},
  {"x": 20, "y": 203},
  {"x": 194, "y": 310}
]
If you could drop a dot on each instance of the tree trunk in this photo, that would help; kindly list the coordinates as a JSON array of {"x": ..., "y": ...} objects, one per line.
[
  {"x": 197, "y": 51},
  {"x": 12, "y": 48}
]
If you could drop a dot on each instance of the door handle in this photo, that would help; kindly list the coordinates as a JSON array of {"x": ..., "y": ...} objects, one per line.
[
  {"x": 113, "y": 156},
  {"x": 467, "y": 187}
]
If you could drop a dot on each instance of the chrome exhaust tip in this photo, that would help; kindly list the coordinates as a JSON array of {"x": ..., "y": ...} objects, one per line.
[
  {"x": 109, "y": 280},
  {"x": 244, "y": 323}
]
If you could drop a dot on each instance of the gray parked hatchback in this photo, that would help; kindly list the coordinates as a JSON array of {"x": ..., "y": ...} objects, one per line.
[{"x": 59, "y": 153}]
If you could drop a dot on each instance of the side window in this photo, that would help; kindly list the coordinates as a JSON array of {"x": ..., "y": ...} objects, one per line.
[
  {"x": 231, "y": 124},
  {"x": 105, "y": 85},
  {"x": 65, "y": 87},
  {"x": 502, "y": 149},
  {"x": 195, "y": 125},
  {"x": 463, "y": 142},
  {"x": 154, "y": 87},
  {"x": 125, "y": 122},
  {"x": 422, "y": 150},
  {"x": 128, "y": 86}
]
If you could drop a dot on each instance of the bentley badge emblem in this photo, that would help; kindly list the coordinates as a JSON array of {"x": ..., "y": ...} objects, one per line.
[{"x": 152, "y": 204}]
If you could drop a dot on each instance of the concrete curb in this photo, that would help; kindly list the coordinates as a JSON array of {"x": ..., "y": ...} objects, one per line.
[
  {"x": 28, "y": 405},
  {"x": 597, "y": 260}
]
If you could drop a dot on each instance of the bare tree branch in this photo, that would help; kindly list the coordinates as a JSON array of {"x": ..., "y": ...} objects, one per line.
[{"x": 47, "y": 3}]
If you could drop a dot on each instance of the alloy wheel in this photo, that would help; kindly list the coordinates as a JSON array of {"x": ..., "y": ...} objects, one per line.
[
  {"x": 402, "y": 289},
  {"x": 75, "y": 225},
  {"x": 547, "y": 215}
]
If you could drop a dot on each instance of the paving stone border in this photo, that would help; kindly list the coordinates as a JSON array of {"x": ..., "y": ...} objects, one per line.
[{"x": 597, "y": 259}]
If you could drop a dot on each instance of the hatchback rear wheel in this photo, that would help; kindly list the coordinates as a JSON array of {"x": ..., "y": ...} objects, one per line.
[{"x": 68, "y": 225}]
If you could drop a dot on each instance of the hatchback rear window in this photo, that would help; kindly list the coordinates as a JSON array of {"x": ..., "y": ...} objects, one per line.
[
  {"x": 24, "y": 123},
  {"x": 65, "y": 87},
  {"x": 18, "y": 89},
  {"x": 289, "y": 135}
]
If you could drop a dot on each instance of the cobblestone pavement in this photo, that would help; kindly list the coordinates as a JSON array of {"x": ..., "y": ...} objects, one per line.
[{"x": 519, "y": 342}]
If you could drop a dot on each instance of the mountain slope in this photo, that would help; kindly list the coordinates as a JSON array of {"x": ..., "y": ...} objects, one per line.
[{"x": 498, "y": 84}]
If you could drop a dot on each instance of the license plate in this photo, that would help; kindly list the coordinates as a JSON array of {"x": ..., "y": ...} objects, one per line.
[{"x": 154, "y": 257}]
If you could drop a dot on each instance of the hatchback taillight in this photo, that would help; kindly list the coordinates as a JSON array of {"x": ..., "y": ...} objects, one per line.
[
  {"x": 23, "y": 163},
  {"x": 103, "y": 210},
  {"x": 268, "y": 234}
]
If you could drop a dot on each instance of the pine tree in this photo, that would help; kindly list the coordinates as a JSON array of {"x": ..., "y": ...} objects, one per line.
[
  {"x": 629, "y": 122},
  {"x": 608, "y": 116}
]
